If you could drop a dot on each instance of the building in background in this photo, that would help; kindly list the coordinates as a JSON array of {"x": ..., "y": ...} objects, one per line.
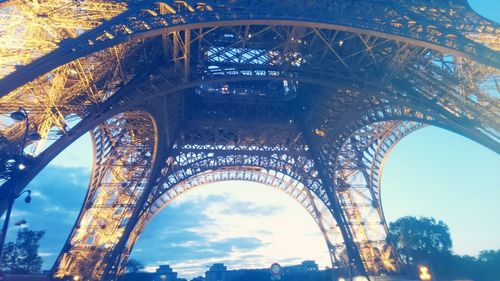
[
  {"x": 305, "y": 266},
  {"x": 217, "y": 272},
  {"x": 165, "y": 273},
  {"x": 307, "y": 270}
]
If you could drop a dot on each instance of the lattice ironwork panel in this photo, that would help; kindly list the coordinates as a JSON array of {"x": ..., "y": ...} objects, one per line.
[
  {"x": 358, "y": 169},
  {"x": 124, "y": 148},
  {"x": 302, "y": 194},
  {"x": 314, "y": 92}
]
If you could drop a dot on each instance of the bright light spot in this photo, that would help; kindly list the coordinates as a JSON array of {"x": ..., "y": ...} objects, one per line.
[
  {"x": 21, "y": 166},
  {"x": 320, "y": 132},
  {"x": 424, "y": 273}
]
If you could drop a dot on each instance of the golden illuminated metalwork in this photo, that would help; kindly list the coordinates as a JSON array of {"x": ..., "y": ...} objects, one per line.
[
  {"x": 118, "y": 181},
  {"x": 314, "y": 94},
  {"x": 31, "y": 29}
]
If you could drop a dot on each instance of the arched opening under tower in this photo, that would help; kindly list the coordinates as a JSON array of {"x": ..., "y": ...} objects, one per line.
[
  {"x": 242, "y": 224},
  {"x": 437, "y": 173},
  {"x": 427, "y": 69},
  {"x": 58, "y": 193},
  {"x": 214, "y": 172}
]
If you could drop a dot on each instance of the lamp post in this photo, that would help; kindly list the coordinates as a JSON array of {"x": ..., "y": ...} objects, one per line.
[
  {"x": 22, "y": 115},
  {"x": 7, "y": 217},
  {"x": 19, "y": 166}
]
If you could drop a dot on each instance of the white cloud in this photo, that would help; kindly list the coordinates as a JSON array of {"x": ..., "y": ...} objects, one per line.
[
  {"x": 78, "y": 155},
  {"x": 38, "y": 195},
  {"x": 17, "y": 213},
  {"x": 187, "y": 244},
  {"x": 287, "y": 235}
]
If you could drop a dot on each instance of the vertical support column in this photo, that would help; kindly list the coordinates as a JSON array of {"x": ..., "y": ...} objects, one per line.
[
  {"x": 124, "y": 146},
  {"x": 177, "y": 50},
  {"x": 187, "y": 48},
  {"x": 357, "y": 171},
  {"x": 326, "y": 230},
  {"x": 356, "y": 266},
  {"x": 168, "y": 114},
  {"x": 116, "y": 260},
  {"x": 165, "y": 47}
]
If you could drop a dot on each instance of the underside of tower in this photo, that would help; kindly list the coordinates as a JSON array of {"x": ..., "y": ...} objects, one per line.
[{"x": 308, "y": 97}]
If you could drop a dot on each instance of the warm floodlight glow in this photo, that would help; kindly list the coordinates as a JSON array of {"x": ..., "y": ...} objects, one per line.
[
  {"x": 424, "y": 274},
  {"x": 320, "y": 132},
  {"x": 21, "y": 167}
]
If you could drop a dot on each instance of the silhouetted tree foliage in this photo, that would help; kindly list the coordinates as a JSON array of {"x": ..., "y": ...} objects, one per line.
[
  {"x": 417, "y": 239},
  {"x": 489, "y": 261},
  {"x": 422, "y": 241},
  {"x": 8, "y": 257},
  {"x": 427, "y": 241},
  {"x": 22, "y": 256},
  {"x": 134, "y": 266}
]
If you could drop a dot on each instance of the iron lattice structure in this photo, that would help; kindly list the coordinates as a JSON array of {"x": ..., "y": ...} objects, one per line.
[{"x": 308, "y": 97}]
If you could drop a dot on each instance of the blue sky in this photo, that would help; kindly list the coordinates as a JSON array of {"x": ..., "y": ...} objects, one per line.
[{"x": 431, "y": 172}]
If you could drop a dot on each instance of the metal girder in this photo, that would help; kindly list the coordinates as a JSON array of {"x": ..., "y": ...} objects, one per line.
[
  {"x": 425, "y": 24},
  {"x": 312, "y": 95},
  {"x": 124, "y": 147},
  {"x": 357, "y": 176},
  {"x": 31, "y": 29},
  {"x": 214, "y": 154},
  {"x": 201, "y": 156},
  {"x": 355, "y": 262},
  {"x": 301, "y": 193},
  {"x": 454, "y": 84}
]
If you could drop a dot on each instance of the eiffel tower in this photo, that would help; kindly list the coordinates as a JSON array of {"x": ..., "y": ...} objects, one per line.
[{"x": 304, "y": 96}]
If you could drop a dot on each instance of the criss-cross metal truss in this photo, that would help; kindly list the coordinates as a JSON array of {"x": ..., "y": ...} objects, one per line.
[
  {"x": 123, "y": 147},
  {"x": 308, "y": 97}
]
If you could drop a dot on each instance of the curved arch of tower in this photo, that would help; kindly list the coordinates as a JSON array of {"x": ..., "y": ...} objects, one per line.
[{"x": 306, "y": 97}]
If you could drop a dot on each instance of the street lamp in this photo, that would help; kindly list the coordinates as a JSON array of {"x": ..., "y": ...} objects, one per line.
[
  {"x": 20, "y": 164},
  {"x": 27, "y": 199},
  {"x": 22, "y": 115}
]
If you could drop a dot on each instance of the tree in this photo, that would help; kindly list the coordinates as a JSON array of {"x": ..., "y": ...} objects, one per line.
[
  {"x": 134, "y": 266},
  {"x": 8, "y": 257},
  {"x": 418, "y": 239},
  {"x": 423, "y": 241},
  {"x": 22, "y": 256},
  {"x": 488, "y": 262},
  {"x": 490, "y": 256}
]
